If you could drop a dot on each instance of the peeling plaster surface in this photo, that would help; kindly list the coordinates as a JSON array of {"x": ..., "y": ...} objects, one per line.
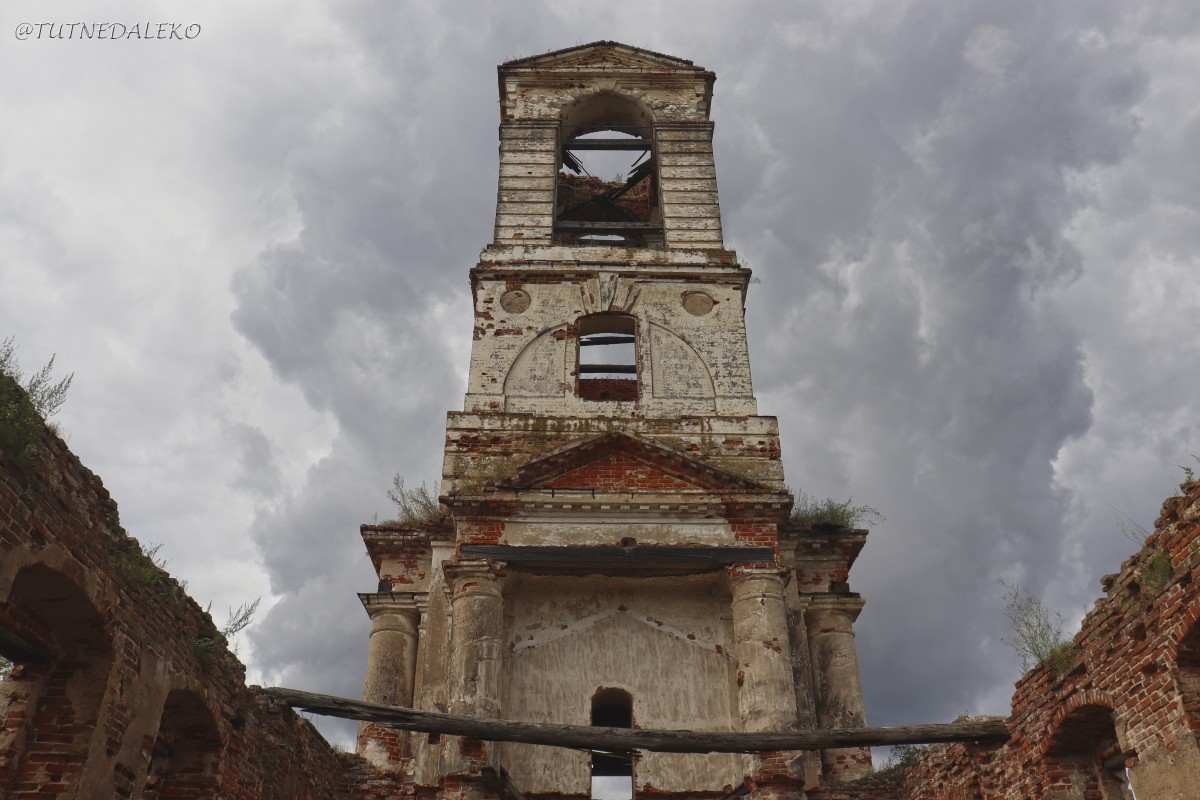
[{"x": 666, "y": 641}]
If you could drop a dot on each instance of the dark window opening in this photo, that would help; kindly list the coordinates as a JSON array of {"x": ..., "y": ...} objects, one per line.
[
  {"x": 608, "y": 177},
  {"x": 608, "y": 358},
  {"x": 612, "y": 773}
]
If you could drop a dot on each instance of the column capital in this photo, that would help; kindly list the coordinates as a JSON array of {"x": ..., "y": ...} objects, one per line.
[
  {"x": 466, "y": 574},
  {"x": 377, "y": 603},
  {"x": 848, "y": 606}
]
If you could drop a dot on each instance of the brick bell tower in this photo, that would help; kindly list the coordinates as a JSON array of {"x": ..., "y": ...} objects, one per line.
[{"x": 615, "y": 548}]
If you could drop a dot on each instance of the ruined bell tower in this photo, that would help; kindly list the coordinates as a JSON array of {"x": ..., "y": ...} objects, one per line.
[{"x": 616, "y": 547}]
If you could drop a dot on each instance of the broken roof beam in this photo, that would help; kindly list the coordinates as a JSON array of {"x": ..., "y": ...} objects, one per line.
[{"x": 625, "y": 740}]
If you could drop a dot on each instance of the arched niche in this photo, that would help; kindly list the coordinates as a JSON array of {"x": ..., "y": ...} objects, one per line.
[
  {"x": 1187, "y": 674},
  {"x": 1084, "y": 758},
  {"x": 62, "y": 654},
  {"x": 184, "y": 758}
]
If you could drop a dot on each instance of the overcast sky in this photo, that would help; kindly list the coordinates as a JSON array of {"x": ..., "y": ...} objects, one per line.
[{"x": 975, "y": 227}]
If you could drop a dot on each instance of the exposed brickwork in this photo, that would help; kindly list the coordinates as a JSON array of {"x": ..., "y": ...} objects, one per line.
[
  {"x": 1132, "y": 689},
  {"x": 608, "y": 389},
  {"x": 619, "y": 473},
  {"x": 119, "y": 689}
]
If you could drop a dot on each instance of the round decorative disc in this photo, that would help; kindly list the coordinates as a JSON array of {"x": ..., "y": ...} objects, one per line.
[
  {"x": 698, "y": 303},
  {"x": 515, "y": 302}
]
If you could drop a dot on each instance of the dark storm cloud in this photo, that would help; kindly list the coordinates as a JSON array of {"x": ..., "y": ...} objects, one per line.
[{"x": 907, "y": 181}]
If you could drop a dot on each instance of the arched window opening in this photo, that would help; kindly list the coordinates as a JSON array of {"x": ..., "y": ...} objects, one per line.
[
  {"x": 61, "y": 657},
  {"x": 184, "y": 757},
  {"x": 607, "y": 365},
  {"x": 612, "y": 773},
  {"x": 1085, "y": 757},
  {"x": 608, "y": 177}
]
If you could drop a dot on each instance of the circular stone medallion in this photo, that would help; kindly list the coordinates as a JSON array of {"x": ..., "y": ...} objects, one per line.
[
  {"x": 697, "y": 303},
  {"x": 515, "y": 302}
]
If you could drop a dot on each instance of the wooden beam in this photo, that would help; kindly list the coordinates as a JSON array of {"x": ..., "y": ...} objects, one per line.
[
  {"x": 635, "y": 556},
  {"x": 606, "y": 144},
  {"x": 624, "y": 740},
  {"x": 605, "y": 227}
]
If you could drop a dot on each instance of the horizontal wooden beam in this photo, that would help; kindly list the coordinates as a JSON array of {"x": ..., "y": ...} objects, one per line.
[
  {"x": 652, "y": 557},
  {"x": 605, "y": 227},
  {"x": 625, "y": 740},
  {"x": 606, "y": 144}
]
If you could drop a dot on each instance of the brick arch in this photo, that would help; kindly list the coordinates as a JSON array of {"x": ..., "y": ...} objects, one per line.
[
  {"x": 1185, "y": 669},
  {"x": 1082, "y": 737},
  {"x": 62, "y": 651},
  {"x": 185, "y": 756}
]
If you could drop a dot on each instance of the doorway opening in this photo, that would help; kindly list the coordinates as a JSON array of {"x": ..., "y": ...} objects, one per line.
[{"x": 612, "y": 773}]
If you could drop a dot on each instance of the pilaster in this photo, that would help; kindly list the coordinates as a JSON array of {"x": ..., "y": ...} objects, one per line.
[
  {"x": 766, "y": 698},
  {"x": 391, "y": 667},
  {"x": 477, "y": 617},
  {"x": 838, "y": 689}
]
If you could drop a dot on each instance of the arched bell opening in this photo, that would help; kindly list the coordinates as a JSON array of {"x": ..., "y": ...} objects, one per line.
[{"x": 607, "y": 191}]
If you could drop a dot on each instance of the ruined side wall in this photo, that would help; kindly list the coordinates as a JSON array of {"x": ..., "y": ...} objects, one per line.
[
  {"x": 121, "y": 686},
  {"x": 1133, "y": 689}
]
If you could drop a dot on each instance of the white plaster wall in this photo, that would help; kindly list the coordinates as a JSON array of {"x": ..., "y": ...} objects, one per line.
[
  {"x": 666, "y": 641},
  {"x": 700, "y": 365},
  {"x": 578, "y": 530}
]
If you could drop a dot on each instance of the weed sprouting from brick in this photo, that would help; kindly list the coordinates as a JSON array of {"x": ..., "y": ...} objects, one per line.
[
  {"x": 1156, "y": 567},
  {"x": 901, "y": 758},
  {"x": 205, "y": 647},
  {"x": 1037, "y": 635},
  {"x": 415, "y": 506},
  {"x": 139, "y": 563},
  {"x": 26, "y": 404},
  {"x": 808, "y": 510}
]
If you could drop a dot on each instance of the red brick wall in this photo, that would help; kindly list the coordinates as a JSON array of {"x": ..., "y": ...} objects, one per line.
[
  {"x": 608, "y": 389},
  {"x": 1131, "y": 689},
  {"x": 102, "y": 639},
  {"x": 619, "y": 473}
]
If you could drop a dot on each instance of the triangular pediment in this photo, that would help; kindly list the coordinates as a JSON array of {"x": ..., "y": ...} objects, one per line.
[
  {"x": 601, "y": 55},
  {"x": 619, "y": 462}
]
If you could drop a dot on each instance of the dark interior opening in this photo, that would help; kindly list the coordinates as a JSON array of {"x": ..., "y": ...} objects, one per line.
[
  {"x": 608, "y": 357},
  {"x": 612, "y": 708}
]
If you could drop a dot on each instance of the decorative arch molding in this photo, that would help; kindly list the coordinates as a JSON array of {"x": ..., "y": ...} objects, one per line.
[
  {"x": 540, "y": 366},
  {"x": 677, "y": 370}
]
